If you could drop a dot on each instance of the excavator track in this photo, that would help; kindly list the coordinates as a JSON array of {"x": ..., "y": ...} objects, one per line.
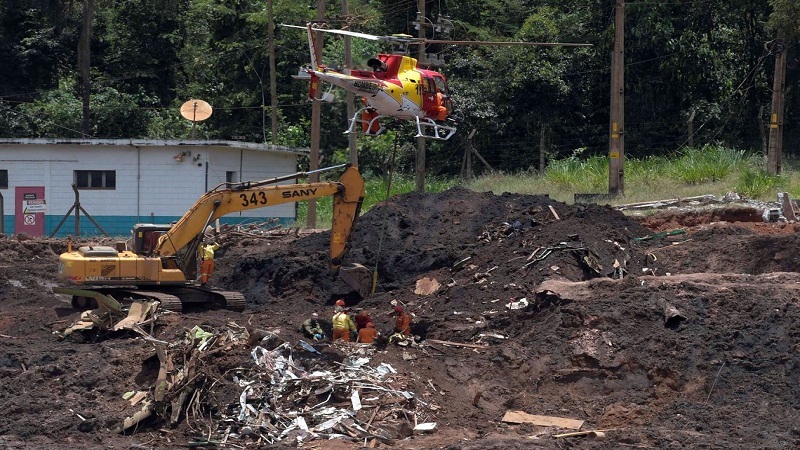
[
  {"x": 168, "y": 301},
  {"x": 234, "y": 301},
  {"x": 174, "y": 299}
]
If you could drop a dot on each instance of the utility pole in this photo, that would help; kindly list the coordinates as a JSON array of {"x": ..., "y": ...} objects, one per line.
[
  {"x": 316, "y": 109},
  {"x": 616, "y": 152},
  {"x": 542, "y": 146},
  {"x": 84, "y": 64},
  {"x": 273, "y": 84},
  {"x": 350, "y": 97},
  {"x": 420, "y": 175},
  {"x": 775, "y": 148}
]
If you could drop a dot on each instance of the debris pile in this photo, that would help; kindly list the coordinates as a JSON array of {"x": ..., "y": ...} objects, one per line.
[
  {"x": 661, "y": 339},
  {"x": 284, "y": 391}
]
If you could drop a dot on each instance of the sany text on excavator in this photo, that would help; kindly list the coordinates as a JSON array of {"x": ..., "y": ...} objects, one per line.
[
  {"x": 162, "y": 263},
  {"x": 396, "y": 86}
]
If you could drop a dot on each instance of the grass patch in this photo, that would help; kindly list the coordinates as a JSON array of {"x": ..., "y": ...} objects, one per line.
[
  {"x": 755, "y": 183},
  {"x": 697, "y": 171},
  {"x": 708, "y": 164}
]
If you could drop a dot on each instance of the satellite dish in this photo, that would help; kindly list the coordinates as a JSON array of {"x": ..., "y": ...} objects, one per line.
[{"x": 196, "y": 110}]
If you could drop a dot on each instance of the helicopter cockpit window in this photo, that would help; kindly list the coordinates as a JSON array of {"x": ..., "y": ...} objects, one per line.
[
  {"x": 429, "y": 85},
  {"x": 440, "y": 84}
]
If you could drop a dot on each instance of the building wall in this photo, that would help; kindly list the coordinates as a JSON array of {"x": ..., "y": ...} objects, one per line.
[{"x": 153, "y": 183}]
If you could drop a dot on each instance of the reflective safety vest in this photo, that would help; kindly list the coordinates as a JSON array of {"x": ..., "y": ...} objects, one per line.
[
  {"x": 207, "y": 251},
  {"x": 341, "y": 321}
]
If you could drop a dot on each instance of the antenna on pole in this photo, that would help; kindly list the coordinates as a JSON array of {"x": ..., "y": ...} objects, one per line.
[{"x": 196, "y": 111}]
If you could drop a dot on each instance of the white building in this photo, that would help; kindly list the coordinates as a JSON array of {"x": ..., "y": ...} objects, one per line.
[{"x": 121, "y": 182}]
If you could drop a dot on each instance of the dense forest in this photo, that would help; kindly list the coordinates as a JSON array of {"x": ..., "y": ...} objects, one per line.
[{"x": 122, "y": 68}]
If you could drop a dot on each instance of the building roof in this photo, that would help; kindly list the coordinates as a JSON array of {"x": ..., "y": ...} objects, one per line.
[{"x": 159, "y": 143}]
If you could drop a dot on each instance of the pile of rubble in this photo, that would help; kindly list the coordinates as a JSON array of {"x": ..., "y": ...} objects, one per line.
[{"x": 275, "y": 391}]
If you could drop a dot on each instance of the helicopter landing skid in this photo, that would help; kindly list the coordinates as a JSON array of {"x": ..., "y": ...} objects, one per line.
[
  {"x": 429, "y": 128},
  {"x": 369, "y": 123}
]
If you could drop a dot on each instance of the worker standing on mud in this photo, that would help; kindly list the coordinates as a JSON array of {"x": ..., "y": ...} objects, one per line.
[
  {"x": 312, "y": 329},
  {"x": 367, "y": 334},
  {"x": 342, "y": 325},
  {"x": 207, "y": 265}
]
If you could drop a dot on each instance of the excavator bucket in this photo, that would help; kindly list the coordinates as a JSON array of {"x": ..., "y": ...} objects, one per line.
[{"x": 357, "y": 277}]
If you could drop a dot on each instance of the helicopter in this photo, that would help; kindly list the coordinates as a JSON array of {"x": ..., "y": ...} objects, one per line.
[{"x": 396, "y": 86}]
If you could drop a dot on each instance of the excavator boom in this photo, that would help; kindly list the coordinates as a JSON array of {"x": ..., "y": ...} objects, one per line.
[{"x": 170, "y": 260}]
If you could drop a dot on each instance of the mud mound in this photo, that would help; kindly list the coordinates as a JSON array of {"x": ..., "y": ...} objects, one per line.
[
  {"x": 666, "y": 341},
  {"x": 416, "y": 234}
]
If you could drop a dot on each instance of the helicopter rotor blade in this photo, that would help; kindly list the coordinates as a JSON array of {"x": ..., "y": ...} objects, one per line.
[
  {"x": 343, "y": 32},
  {"x": 506, "y": 43},
  {"x": 403, "y": 39}
]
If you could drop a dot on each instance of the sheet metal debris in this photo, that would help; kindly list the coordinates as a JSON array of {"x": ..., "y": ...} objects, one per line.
[{"x": 287, "y": 392}]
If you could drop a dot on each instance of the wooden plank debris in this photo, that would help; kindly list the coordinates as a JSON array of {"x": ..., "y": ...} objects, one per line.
[
  {"x": 596, "y": 434},
  {"x": 458, "y": 344},
  {"x": 553, "y": 210},
  {"x": 544, "y": 421}
]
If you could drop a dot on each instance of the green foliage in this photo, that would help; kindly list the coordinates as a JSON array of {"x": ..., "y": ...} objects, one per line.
[
  {"x": 755, "y": 183},
  {"x": 57, "y": 113},
  {"x": 709, "y": 163},
  {"x": 581, "y": 175},
  {"x": 704, "y": 60},
  {"x": 113, "y": 114}
]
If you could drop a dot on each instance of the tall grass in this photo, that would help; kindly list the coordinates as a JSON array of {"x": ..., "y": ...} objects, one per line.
[
  {"x": 696, "y": 171},
  {"x": 711, "y": 169},
  {"x": 755, "y": 183},
  {"x": 709, "y": 163},
  {"x": 583, "y": 175}
]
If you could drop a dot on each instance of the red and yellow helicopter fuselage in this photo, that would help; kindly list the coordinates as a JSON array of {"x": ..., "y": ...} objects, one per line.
[{"x": 395, "y": 88}]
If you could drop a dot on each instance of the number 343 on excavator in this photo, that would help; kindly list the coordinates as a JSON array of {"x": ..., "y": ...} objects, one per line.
[{"x": 161, "y": 263}]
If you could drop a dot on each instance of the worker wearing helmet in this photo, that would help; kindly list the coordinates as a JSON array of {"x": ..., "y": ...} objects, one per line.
[
  {"x": 207, "y": 265},
  {"x": 342, "y": 325},
  {"x": 312, "y": 329},
  {"x": 362, "y": 319}
]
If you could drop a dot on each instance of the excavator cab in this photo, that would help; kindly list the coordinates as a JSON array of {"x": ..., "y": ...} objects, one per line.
[{"x": 145, "y": 237}]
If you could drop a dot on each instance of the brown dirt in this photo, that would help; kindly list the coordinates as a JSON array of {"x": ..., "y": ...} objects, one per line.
[{"x": 588, "y": 346}]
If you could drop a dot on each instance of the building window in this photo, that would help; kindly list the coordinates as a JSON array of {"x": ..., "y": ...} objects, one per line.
[
  {"x": 3, "y": 179},
  {"x": 96, "y": 179},
  {"x": 230, "y": 177}
]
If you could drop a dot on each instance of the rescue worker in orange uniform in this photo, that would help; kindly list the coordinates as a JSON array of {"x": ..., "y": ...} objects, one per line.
[
  {"x": 402, "y": 323},
  {"x": 207, "y": 265},
  {"x": 367, "y": 334},
  {"x": 342, "y": 325}
]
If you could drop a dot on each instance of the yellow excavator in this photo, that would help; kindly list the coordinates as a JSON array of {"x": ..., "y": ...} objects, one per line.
[{"x": 162, "y": 263}]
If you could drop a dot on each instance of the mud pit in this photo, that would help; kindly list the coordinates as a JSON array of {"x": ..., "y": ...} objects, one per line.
[{"x": 589, "y": 346}]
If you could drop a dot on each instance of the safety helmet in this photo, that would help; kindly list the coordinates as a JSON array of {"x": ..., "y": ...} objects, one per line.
[{"x": 340, "y": 302}]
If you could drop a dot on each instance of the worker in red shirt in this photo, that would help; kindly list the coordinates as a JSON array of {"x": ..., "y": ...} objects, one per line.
[
  {"x": 362, "y": 319},
  {"x": 367, "y": 334}
]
